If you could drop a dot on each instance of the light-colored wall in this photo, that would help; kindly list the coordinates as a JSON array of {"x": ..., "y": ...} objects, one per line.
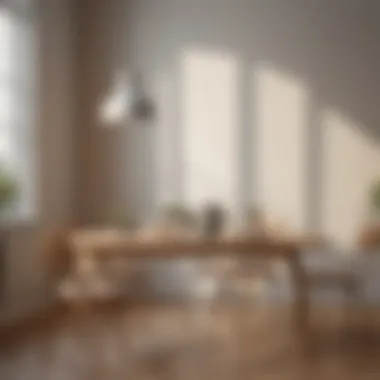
[
  {"x": 258, "y": 101},
  {"x": 27, "y": 285}
]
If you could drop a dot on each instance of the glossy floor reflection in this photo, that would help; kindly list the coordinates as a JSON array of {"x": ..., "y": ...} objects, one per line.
[{"x": 171, "y": 342}]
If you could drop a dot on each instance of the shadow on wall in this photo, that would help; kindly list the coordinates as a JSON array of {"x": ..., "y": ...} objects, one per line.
[{"x": 273, "y": 103}]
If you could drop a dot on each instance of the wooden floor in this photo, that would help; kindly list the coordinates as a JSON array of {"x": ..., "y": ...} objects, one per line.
[{"x": 171, "y": 342}]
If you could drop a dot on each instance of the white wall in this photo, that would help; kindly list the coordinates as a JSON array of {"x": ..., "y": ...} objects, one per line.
[
  {"x": 263, "y": 101},
  {"x": 258, "y": 101},
  {"x": 27, "y": 282}
]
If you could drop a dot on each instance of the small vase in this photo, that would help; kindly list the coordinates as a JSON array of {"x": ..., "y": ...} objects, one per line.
[{"x": 214, "y": 221}]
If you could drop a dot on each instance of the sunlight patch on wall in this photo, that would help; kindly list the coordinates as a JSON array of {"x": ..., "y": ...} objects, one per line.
[
  {"x": 210, "y": 107},
  {"x": 280, "y": 115},
  {"x": 351, "y": 163},
  {"x": 165, "y": 140}
]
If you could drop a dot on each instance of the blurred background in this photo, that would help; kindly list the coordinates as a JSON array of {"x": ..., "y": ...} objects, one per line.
[{"x": 175, "y": 120}]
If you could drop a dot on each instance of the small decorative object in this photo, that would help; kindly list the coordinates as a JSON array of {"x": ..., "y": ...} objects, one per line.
[{"x": 214, "y": 220}]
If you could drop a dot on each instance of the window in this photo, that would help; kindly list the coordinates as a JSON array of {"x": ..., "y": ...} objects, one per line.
[{"x": 18, "y": 58}]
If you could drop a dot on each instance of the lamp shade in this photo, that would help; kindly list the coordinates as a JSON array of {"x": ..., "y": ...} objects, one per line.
[
  {"x": 116, "y": 106},
  {"x": 125, "y": 101}
]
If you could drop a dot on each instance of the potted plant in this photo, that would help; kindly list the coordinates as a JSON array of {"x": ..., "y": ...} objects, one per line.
[
  {"x": 178, "y": 214},
  {"x": 370, "y": 235},
  {"x": 375, "y": 200},
  {"x": 9, "y": 190},
  {"x": 8, "y": 194}
]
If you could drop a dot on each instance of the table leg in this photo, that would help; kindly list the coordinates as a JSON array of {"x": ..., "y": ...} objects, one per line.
[{"x": 301, "y": 306}]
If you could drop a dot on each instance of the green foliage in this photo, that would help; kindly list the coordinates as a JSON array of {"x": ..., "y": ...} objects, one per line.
[
  {"x": 125, "y": 220},
  {"x": 9, "y": 189},
  {"x": 177, "y": 213},
  {"x": 375, "y": 196}
]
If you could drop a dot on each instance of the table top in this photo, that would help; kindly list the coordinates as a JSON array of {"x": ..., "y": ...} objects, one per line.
[{"x": 111, "y": 243}]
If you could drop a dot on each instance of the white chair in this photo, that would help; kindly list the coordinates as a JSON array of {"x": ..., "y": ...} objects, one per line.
[
  {"x": 333, "y": 270},
  {"x": 335, "y": 277},
  {"x": 249, "y": 280},
  {"x": 77, "y": 280}
]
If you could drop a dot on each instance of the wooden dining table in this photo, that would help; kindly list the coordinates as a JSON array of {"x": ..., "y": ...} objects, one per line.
[{"x": 91, "y": 248}]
